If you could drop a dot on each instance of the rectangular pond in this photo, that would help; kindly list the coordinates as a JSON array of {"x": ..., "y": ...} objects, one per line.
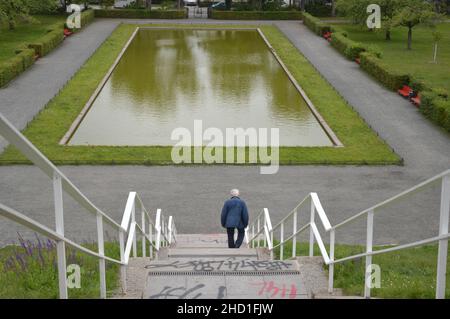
[{"x": 167, "y": 78}]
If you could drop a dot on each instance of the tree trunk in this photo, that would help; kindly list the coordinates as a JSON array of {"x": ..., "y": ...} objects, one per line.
[
  {"x": 11, "y": 24},
  {"x": 302, "y": 5},
  {"x": 388, "y": 35},
  {"x": 228, "y": 4},
  {"x": 409, "y": 38},
  {"x": 435, "y": 52},
  {"x": 333, "y": 8},
  {"x": 148, "y": 4}
]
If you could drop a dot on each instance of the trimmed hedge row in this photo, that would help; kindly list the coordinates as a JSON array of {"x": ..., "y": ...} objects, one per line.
[
  {"x": 379, "y": 70},
  {"x": 436, "y": 107},
  {"x": 255, "y": 15},
  {"x": 140, "y": 14},
  {"x": 316, "y": 25},
  {"x": 48, "y": 42},
  {"x": 16, "y": 65},
  {"x": 347, "y": 47},
  {"x": 87, "y": 17},
  {"x": 41, "y": 47}
]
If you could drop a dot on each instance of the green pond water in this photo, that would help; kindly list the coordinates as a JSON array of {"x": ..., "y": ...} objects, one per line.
[{"x": 168, "y": 78}]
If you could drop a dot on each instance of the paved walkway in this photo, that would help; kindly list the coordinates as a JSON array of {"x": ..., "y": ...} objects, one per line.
[
  {"x": 25, "y": 96},
  {"x": 194, "y": 195}
]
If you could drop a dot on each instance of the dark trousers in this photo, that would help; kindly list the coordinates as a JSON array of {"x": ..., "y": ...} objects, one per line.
[{"x": 239, "y": 240}]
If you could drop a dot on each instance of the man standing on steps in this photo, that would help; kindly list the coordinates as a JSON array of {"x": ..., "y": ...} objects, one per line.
[{"x": 234, "y": 215}]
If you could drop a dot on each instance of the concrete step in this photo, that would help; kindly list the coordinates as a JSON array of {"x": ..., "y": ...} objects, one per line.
[
  {"x": 211, "y": 252},
  {"x": 202, "y": 241},
  {"x": 217, "y": 285},
  {"x": 223, "y": 265}
]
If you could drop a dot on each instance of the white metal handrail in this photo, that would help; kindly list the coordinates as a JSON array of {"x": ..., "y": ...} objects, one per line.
[
  {"x": 164, "y": 233},
  {"x": 316, "y": 207}
]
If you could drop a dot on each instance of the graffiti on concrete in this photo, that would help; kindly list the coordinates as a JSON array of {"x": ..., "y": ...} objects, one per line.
[
  {"x": 273, "y": 290},
  {"x": 182, "y": 292},
  {"x": 229, "y": 264}
]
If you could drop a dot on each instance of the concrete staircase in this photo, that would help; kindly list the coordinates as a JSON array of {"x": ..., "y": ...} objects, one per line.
[{"x": 202, "y": 267}]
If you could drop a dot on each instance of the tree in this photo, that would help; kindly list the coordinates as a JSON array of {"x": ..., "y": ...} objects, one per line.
[
  {"x": 107, "y": 3},
  {"x": 13, "y": 11},
  {"x": 356, "y": 10},
  {"x": 41, "y": 6},
  {"x": 413, "y": 13},
  {"x": 437, "y": 36}
]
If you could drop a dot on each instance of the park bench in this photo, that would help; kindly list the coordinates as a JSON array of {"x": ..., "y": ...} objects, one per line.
[
  {"x": 405, "y": 91},
  {"x": 67, "y": 33},
  {"x": 327, "y": 36},
  {"x": 416, "y": 100}
]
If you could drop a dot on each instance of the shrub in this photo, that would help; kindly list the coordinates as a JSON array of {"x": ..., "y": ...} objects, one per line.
[
  {"x": 140, "y": 14},
  {"x": 48, "y": 42},
  {"x": 14, "y": 66},
  {"x": 349, "y": 48},
  {"x": 389, "y": 78},
  {"x": 318, "y": 8},
  {"x": 255, "y": 15},
  {"x": 436, "y": 108},
  {"x": 42, "y": 6},
  {"x": 87, "y": 17},
  {"x": 315, "y": 25}
]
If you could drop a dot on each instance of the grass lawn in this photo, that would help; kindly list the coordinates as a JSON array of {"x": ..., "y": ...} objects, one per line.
[
  {"x": 417, "y": 61},
  {"x": 30, "y": 271},
  {"x": 409, "y": 273},
  {"x": 361, "y": 144},
  {"x": 25, "y": 33}
]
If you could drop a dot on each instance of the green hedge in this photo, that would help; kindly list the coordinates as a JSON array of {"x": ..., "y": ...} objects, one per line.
[
  {"x": 378, "y": 69},
  {"x": 255, "y": 15},
  {"x": 436, "y": 108},
  {"x": 48, "y": 42},
  {"x": 140, "y": 14},
  {"x": 87, "y": 17},
  {"x": 347, "y": 47},
  {"x": 316, "y": 25},
  {"x": 16, "y": 65}
]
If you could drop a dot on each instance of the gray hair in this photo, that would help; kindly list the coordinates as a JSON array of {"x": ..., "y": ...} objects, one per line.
[{"x": 234, "y": 192}]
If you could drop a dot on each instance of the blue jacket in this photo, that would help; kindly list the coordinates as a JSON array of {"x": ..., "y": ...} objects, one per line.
[{"x": 234, "y": 213}]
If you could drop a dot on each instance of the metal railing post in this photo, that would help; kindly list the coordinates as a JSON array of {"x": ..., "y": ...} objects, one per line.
[
  {"x": 60, "y": 245},
  {"x": 331, "y": 265},
  {"x": 144, "y": 242},
  {"x": 369, "y": 246},
  {"x": 258, "y": 228},
  {"x": 253, "y": 234},
  {"x": 150, "y": 229},
  {"x": 133, "y": 220},
  {"x": 282, "y": 241},
  {"x": 101, "y": 251},
  {"x": 294, "y": 239},
  {"x": 443, "y": 244},
  {"x": 311, "y": 233},
  {"x": 271, "y": 239},
  {"x": 123, "y": 269}
]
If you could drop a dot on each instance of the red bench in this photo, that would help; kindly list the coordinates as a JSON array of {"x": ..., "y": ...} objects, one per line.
[
  {"x": 405, "y": 91},
  {"x": 358, "y": 60},
  {"x": 327, "y": 35},
  {"x": 67, "y": 33},
  {"x": 416, "y": 100}
]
